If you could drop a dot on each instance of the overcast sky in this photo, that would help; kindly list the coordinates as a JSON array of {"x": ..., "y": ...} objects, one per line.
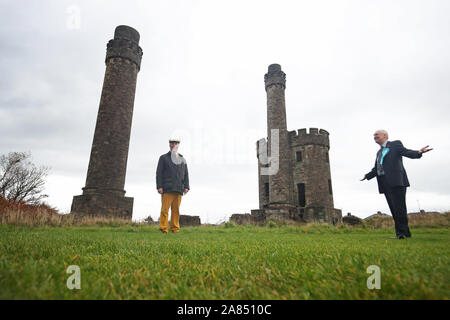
[{"x": 352, "y": 67}]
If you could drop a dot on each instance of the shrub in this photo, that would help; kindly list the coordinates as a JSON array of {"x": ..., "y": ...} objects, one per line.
[
  {"x": 229, "y": 225},
  {"x": 271, "y": 224}
]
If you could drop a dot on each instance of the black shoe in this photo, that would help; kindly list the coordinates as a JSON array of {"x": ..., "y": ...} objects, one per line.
[{"x": 401, "y": 236}]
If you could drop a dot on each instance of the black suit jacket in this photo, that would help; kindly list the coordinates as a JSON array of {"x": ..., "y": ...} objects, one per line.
[
  {"x": 394, "y": 172},
  {"x": 170, "y": 176}
]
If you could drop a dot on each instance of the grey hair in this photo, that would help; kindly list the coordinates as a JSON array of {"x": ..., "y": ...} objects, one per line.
[{"x": 384, "y": 132}]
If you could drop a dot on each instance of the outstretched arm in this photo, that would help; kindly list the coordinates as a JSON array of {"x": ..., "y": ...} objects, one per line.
[
  {"x": 371, "y": 174},
  {"x": 413, "y": 154}
]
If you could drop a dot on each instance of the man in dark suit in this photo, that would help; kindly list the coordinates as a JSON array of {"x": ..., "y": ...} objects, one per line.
[{"x": 392, "y": 179}]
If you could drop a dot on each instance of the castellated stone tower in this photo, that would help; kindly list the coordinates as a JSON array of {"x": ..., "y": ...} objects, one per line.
[
  {"x": 279, "y": 199},
  {"x": 104, "y": 193},
  {"x": 301, "y": 189}
]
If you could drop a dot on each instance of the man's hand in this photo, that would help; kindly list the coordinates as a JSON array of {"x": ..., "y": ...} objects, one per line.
[
  {"x": 160, "y": 190},
  {"x": 186, "y": 191},
  {"x": 425, "y": 149}
]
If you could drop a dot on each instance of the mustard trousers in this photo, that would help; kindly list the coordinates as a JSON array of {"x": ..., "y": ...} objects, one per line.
[{"x": 170, "y": 200}]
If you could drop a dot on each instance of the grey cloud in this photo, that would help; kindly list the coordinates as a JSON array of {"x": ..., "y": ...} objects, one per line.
[{"x": 352, "y": 67}]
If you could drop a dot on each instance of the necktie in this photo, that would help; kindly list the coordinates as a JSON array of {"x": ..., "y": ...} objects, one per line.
[{"x": 380, "y": 170}]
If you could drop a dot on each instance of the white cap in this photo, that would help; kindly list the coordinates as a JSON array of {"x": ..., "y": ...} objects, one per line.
[{"x": 174, "y": 139}]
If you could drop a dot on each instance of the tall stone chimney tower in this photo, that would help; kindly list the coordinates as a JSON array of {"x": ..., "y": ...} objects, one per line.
[
  {"x": 104, "y": 193},
  {"x": 280, "y": 179}
]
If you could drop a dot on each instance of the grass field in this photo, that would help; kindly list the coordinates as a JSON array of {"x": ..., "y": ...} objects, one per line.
[{"x": 222, "y": 262}]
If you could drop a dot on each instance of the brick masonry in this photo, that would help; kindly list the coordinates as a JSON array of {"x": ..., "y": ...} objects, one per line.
[{"x": 104, "y": 193}]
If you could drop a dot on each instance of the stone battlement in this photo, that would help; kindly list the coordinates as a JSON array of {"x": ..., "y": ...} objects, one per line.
[
  {"x": 302, "y": 137},
  {"x": 125, "y": 45},
  {"x": 125, "y": 49},
  {"x": 315, "y": 136},
  {"x": 275, "y": 76}
]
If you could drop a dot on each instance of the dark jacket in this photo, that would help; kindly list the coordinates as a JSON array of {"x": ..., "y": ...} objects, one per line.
[
  {"x": 172, "y": 175},
  {"x": 394, "y": 172}
]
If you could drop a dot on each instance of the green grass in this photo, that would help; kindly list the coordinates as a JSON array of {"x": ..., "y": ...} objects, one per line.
[{"x": 223, "y": 262}]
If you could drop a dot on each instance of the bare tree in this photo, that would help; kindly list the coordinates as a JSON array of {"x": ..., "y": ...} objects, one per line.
[{"x": 20, "y": 179}]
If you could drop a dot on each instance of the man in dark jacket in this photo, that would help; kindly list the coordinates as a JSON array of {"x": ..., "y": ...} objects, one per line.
[
  {"x": 172, "y": 181},
  {"x": 392, "y": 179}
]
